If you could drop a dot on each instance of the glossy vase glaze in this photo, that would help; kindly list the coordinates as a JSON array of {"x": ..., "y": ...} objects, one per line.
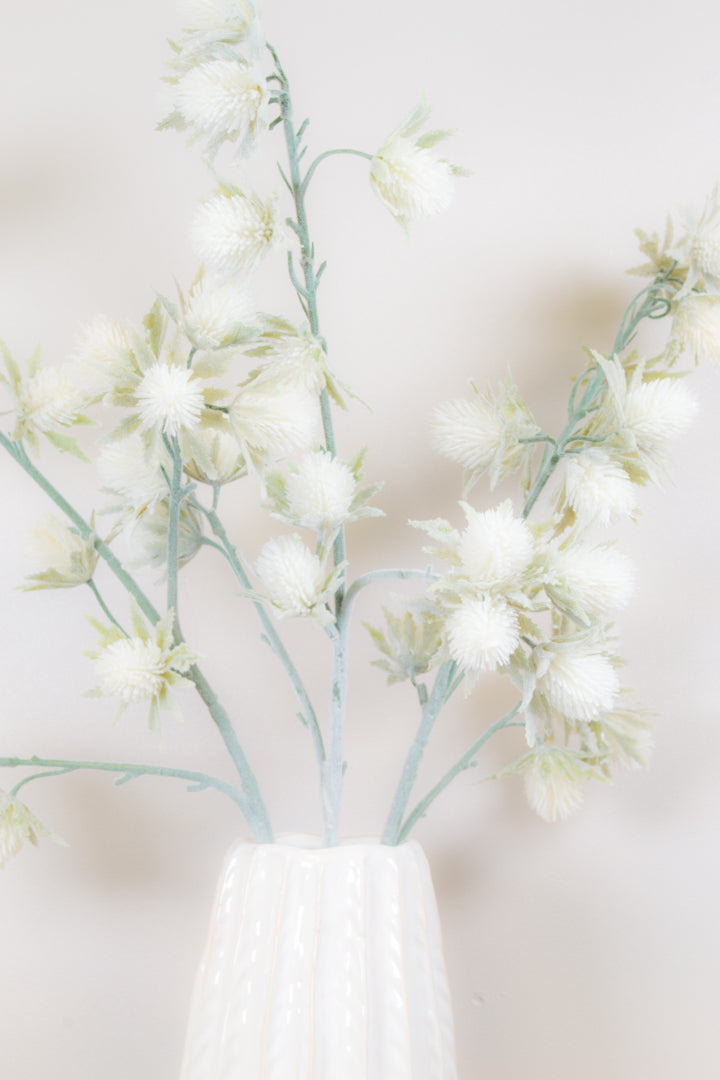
[{"x": 322, "y": 964}]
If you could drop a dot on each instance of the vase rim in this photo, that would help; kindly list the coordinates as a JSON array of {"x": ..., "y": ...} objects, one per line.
[{"x": 309, "y": 843}]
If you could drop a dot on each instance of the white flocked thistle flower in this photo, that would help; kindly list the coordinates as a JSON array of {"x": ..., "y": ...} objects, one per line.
[
  {"x": 577, "y": 678},
  {"x": 320, "y": 492},
  {"x": 407, "y": 175},
  {"x": 47, "y": 401},
  {"x": 495, "y": 548},
  {"x": 169, "y": 398},
  {"x": 225, "y": 20},
  {"x": 221, "y": 100},
  {"x": 64, "y": 557},
  {"x": 696, "y": 329},
  {"x": 218, "y": 312},
  {"x": 232, "y": 231},
  {"x": 295, "y": 580},
  {"x": 589, "y": 583},
  {"x": 554, "y": 781},
  {"x": 143, "y": 667},
  {"x": 17, "y": 825},
  {"x": 482, "y": 633},
  {"x": 130, "y": 469},
  {"x": 597, "y": 488},
  {"x": 270, "y": 420}
]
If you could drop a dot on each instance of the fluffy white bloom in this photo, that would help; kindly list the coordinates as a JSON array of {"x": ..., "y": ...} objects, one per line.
[
  {"x": 273, "y": 419},
  {"x": 223, "y": 99},
  {"x": 231, "y": 232},
  {"x": 407, "y": 176},
  {"x": 170, "y": 398},
  {"x": 482, "y": 633},
  {"x": 468, "y": 432},
  {"x": 102, "y": 348},
  {"x": 597, "y": 488},
  {"x": 321, "y": 492},
  {"x": 143, "y": 667},
  {"x": 578, "y": 680},
  {"x": 553, "y": 782},
  {"x": 127, "y": 467},
  {"x": 292, "y": 575},
  {"x": 496, "y": 547},
  {"x": 49, "y": 400},
  {"x": 228, "y": 16},
  {"x": 64, "y": 558},
  {"x": 658, "y": 411},
  {"x": 18, "y": 824},
  {"x": 594, "y": 581},
  {"x": 215, "y": 310},
  {"x": 297, "y": 358},
  {"x": 696, "y": 329},
  {"x": 132, "y": 670}
]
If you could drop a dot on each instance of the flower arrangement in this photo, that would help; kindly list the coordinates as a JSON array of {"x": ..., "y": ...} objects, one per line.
[{"x": 209, "y": 394}]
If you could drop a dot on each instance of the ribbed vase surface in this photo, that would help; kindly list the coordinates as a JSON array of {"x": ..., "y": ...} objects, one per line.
[{"x": 322, "y": 964}]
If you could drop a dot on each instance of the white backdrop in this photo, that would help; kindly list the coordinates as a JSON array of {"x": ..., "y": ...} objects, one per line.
[{"x": 586, "y": 949}]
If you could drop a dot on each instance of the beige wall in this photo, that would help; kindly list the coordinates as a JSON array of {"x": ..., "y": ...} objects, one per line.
[{"x": 588, "y": 949}]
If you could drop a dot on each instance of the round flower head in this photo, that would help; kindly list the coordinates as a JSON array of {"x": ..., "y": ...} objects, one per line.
[
  {"x": 468, "y": 432},
  {"x": 231, "y": 232},
  {"x": 321, "y": 492},
  {"x": 579, "y": 681},
  {"x": 407, "y": 176},
  {"x": 658, "y": 411},
  {"x": 273, "y": 419},
  {"x": 292, "y": 575},
  {"x": 223, "y": 100},
  {"x": 102, "y": 350},
  {"x": 49, "y": 400},
  {"x": 696, "y": 329},
  {"x": 127, "y": 467},
  {"x": 554, "y": 782},
  {"x": 597, "y": 488},
  {"x": 216, "y": 311},
  {"x": 18, "y": 824},
  {"x": 169, "y": 398},
  {"x": 591, "y": 581},
  {"x": 143, "y": 667},
  {"x": 496, "y": 547},
  {"x": 66, "y": 559},
  {"x": 148, "y": 534},
  {"x": 482, "y": 634},
  {"x": 215, "y": 458},
  {"x": 232, "y": 17}
]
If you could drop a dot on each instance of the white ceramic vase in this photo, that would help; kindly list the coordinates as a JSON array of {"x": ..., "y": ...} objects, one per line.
[{"x": 322, "y": 964}]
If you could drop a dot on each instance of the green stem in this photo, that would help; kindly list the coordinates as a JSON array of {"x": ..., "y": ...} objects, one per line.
[
  {"x": 334, "y": 770},
  {"x": 106, "y": 610},
  {"x": 197, "y": 780},
  {"x": 176, "y": 493},
  {"x": 256, "y": 813},
  {"x": 331, "y": 153},
  {"x": 307, "y": 294},
  {"x": 271, "y": 634},
  {"x": 467, "y": 761},
  {"x": 431, "y": 710}
]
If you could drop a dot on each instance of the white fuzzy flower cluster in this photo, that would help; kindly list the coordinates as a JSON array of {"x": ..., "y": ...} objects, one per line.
[
  {"x": 320, "y": 492},
  {"x": 688, "y": 256},
  {"x": 17, "y": 825},
  {"x": 219, "y": 92},
  {"x": 65, "y": 558},
  {"x": 407, "y": 176},
  {"x": 296, "y": 578},
  {"x": 46, "y": 401},
  {"x": 490, "y": 433},
  {"x": 232, "y": 231},
  {"x": 144, "y": 667}
]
